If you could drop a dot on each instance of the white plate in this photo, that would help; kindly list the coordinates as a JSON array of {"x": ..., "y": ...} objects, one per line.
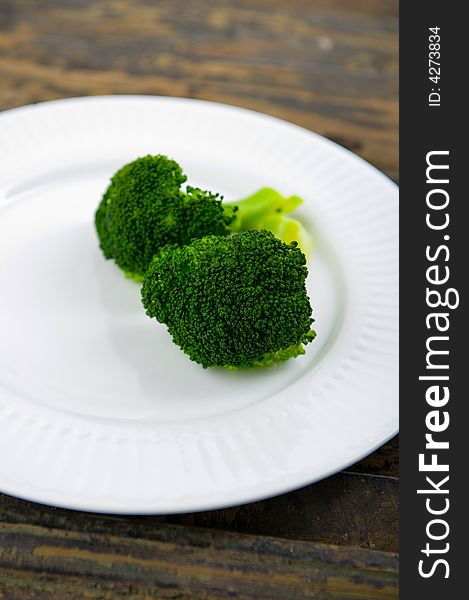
[{"x": 98, "y": 409}]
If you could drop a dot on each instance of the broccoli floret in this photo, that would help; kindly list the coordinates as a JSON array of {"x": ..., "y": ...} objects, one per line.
[
  {"x": 143, "y": 209},
  {"x": 202, "y": 215},
  {"x": 234, "y": 302}
]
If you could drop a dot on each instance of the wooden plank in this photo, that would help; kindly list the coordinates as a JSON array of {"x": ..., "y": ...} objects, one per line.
[
  {"x": 347, "y": 509},
  {"x": 323, "y": 65},
  {"x": 140, "y": 559},
  {"x": 385, "y": 461}
]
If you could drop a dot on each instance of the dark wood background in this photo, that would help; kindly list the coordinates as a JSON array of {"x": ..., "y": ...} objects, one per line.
[{"x": 328, "y": 65}]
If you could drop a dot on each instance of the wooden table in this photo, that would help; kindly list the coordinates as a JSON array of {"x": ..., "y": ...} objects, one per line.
[{"x": 329, "y": 65}]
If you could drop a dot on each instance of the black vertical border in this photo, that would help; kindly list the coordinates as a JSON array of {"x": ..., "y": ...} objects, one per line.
[{"x": 422, "y": 129}]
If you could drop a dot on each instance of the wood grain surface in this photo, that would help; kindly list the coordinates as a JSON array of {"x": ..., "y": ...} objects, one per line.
[
  {"x": 328, "y": 65},
  {"x": 348, "y": 509},
  {"x": 65, "y": 555}
]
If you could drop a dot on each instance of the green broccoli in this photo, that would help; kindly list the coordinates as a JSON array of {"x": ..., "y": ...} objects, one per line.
[
  {"x": 144, "y": 208},
  {"x": 235, "y": 302}
]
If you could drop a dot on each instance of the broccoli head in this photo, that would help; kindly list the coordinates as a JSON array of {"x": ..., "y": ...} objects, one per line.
[
  {"x": 143, "y": 209},
  {"x": 202, "y": 215},
  {"x": 234, "y": 302}
]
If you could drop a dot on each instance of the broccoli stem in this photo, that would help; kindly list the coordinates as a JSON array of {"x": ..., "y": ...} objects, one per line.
[
  {"x": 267, "y": 209},
  {"x": 289, "y": 230},
  {"x": 135, "y": 276},
  {"x": 254, "y": 209}
]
